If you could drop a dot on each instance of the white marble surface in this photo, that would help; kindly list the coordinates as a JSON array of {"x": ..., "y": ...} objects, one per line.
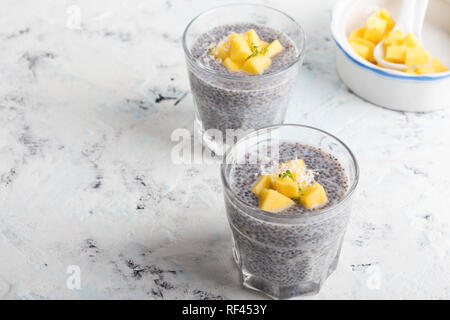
[{"x": 86, "y": 177}]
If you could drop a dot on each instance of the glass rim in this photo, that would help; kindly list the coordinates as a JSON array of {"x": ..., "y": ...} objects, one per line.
[
  {"x": 271, "y": 217},
  {"x": 191, "y": 59}
]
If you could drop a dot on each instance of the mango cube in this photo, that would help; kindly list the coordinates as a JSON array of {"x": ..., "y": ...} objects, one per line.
[
  {"x": 239, "y": 49},
  {"x": 313, "y": 196},
  {"x": 221, "y": 51},
  {"x": 375, "y": 29},
  {"x": 396, "y": 54},
  {"x": 264, "y": 44},
  {"x": 386, "y": 15},
  {"x": 286, "y": 186},
  {"x": 263, "y": 182},
  {"x": 231, "y": 65},
  {"x": 438, "y": 66},
  {"x": 363, "y": 47},
  {"x": 416, "y": 56},
  {"x": 273, "y": 201},
  {"x": 295, "y": 166},
  {"x": 410, "y": 71},
  {"x": 273, "y": 49},
  {"x": 394, "y": 38},
  {"x": 253, "y": 39},
  {"x": 358, "y": 33},
  {"x": 256, "y": 64},
  {"x": 424, "y": 70},
  {"x": 411, "y": 40}
]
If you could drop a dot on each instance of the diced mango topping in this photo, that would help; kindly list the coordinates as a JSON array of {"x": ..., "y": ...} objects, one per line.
[
  {"x": 399, "y": 48},
  {"x": 416, "y": 56},
  {"x": 246, "y": 52},
  {"x": 239, "y": 49},
  {"x": 222, "y": 50},
  {"x": 358, "y": 33},
  {"x": 273, "y": 49},
  {"x": 375, "y": 29},
  {"x": 295, "y": 167},
  {"x": 273, "y": 201},
  {"x": 313, "y": 196},
  {"x": 424, "y": 70},
  {"x": 438, "y": 66},
  {"x": 363, "y": 47},
  {"x": 290, "y": 181},
  {"x": 286, "y": 186},
  {"x": 231, "y": 65},
  {"x": 411, "y": 40},
  {"x": 256, "y": 64},
  {"x": 253, "y": 39},
  {"x": 396, "y": 53},
  {"x": 394, "y": 38},
  {"x": 263, "y": 182}
]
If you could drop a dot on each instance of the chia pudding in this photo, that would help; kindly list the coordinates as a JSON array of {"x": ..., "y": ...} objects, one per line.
[
  {"x": 289, "y": 253},
  {"x": 241, "y": 101}
]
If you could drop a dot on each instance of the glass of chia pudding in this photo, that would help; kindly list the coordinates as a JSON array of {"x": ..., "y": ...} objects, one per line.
[
  {"x": 232, "y": 97},
  {"x": 288, "y": 191}
]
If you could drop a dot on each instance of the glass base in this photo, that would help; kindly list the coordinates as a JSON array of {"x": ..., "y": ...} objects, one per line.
[
  {"x": 275, "y": 292},
  {"x": 279, "y": 292}
]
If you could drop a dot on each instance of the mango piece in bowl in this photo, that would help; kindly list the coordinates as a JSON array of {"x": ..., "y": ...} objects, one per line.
[
  {"x": 313, "y": 196},
  {"x": 416, "y": 56},
  {"x": 263, "y": 182},
  {"x": 273, "y": 201},
  {"x": 399, "y": 48},
  {"x": 396, "y": 53}
]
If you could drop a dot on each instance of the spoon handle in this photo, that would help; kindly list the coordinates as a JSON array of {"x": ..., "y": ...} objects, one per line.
[
  {"x": 421, "y": 9},
  {"x": 405, "y": 21}
]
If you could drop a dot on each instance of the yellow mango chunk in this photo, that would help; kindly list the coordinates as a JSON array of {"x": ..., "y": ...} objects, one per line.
[
  {"x": 236, "y": 37},
  {"x": 416, "y": 56},
  {"x": 363, "y": 47},
  {"x": 411, "y": 40},
  {"x": 239, "y": 49},
  {"x": 438, "y": 66},
  {"x": 263, "y": 182},
  {"x": 394, "y": 38},
  {"x": 295, "y": 166},
  {"x": 375, "y": 29},
  {"x": 358, "y": 33},
  {"x": 264, "y": 44},
  {"x": 257, "y": 64},
  {"x": 410, "y": 71},
  {"x": 313, "y": 196},
  {"x": 221, "y": 51},
  {"x": 231, "y": 65},
  {"x": 273, "y": 201},
  {"x": 286, "y": 186},
  {"x": 273, "y": 49},
  {"x": 424, "y": 70},
  {"x": 396, "y": 54},
  {"x": 253, "y": 39},
  {"x": 386, "y": 15}
]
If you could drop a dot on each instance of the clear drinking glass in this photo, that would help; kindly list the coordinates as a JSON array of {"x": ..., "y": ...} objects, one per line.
[
  {"x": 225, "y": 101},
  {"x": 287, "y": 256}
]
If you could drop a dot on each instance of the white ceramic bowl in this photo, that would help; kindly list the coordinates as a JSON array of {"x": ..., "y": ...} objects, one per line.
[{"x": 388, "y": 88}]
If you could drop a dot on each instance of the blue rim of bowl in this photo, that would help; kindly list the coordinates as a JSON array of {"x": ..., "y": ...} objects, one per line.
[{"x": 388, "y": 74}]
